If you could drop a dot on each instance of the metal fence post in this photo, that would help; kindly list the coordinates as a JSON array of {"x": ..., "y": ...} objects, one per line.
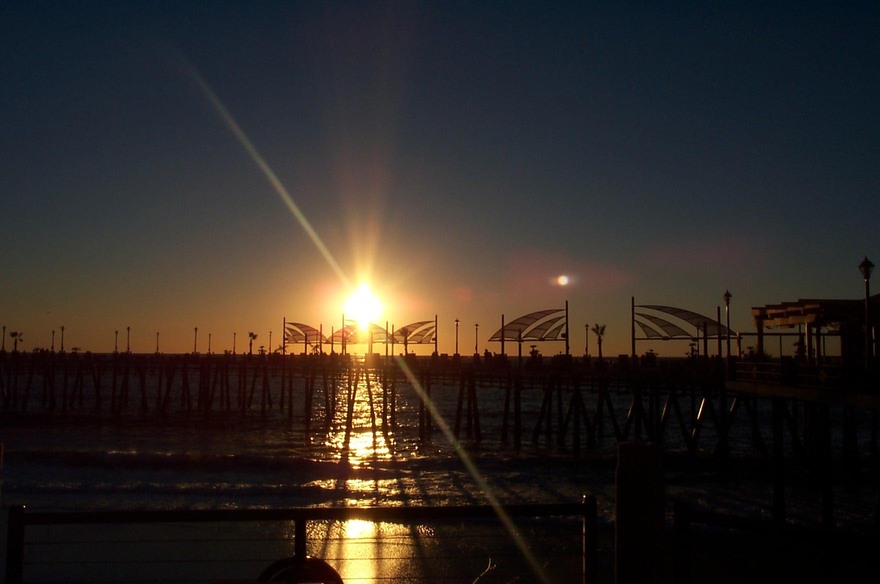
[
  {"x": 299, "y": 538},
  {"x": 590, "y": 543},
  {"x": 15, "y": 545},
  {"x": 681, "y": 533}
]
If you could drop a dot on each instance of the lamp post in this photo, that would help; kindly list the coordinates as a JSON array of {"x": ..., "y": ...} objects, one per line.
[
  {"x": 115, "y": 340},
  {"x": 456, "y": 336},
  {"x": 128, "y": 339},
  {"x": 727, "y": 297},
  {"x": 587, "y": 340},
  {"x": 866, "y": 267},
  {"x": 477, "y": 339}
]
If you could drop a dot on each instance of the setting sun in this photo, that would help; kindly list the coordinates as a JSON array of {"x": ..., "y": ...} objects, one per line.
[{"x": 363, "y": 306}]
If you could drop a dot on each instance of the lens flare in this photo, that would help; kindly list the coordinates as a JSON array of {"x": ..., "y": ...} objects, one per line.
[{"x": 365, "y": 307}]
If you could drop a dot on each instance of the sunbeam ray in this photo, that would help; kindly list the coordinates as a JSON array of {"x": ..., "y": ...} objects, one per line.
[
  {"x": 273, "y": 179},
  {"x": 472, "y": 470},
  {"x": 282, "y": 192}
]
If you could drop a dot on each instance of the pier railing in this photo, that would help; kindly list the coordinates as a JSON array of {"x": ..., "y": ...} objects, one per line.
[
  {"x": 373, "y": 544},
  {"x": 789, "y": 372}
]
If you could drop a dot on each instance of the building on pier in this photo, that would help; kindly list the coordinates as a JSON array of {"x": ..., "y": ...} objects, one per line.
[{"x": 817, "y": 320}]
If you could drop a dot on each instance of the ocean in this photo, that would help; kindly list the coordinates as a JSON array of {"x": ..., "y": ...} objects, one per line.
[{"x": 347, "y": 451}]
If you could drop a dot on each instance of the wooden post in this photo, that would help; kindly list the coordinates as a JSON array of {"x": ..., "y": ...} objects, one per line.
[
  {"x": 459, "y": 407},
  {"x": 640, "y": 518},
  {"x": 681, "y": 533},
  {"x": 778, "y": 512},
  {"x": 429, "y": 424},
  {"x": 506, "y": 410},
  {"x": 590, "y": 535},
  {"x": 15, "y": 545},
  {"x": 309, "y": 380},
  {"x": 632, "y": 326},
  {"x": 517, "y": 412},
  {"x": 265, "y": 394},
  {"x": 473, "y": 410}
]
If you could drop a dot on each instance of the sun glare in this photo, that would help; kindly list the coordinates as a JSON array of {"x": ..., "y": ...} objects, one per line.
[{"x": 363, "y": 307}]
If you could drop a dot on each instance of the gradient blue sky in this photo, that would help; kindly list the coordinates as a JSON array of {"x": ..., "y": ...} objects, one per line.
[{"x": 458, "y": 155}]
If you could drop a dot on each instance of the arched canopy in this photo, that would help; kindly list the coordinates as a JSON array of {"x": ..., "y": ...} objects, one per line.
[
  {"x": 416, "y": 333},
  {"x": 660, "y": 328},
  {"x": 650, "y": 332},
  {"x": 543, "y": 325},
  {"x": 657, "y": 327},
  {"x": 297, "y": 332},
  {"x": 423, "y": 332},
  {"x": 352, "y": 334}
]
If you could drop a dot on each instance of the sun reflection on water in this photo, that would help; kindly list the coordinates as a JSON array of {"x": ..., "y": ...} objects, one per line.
[{"x": 357, "y": 431}]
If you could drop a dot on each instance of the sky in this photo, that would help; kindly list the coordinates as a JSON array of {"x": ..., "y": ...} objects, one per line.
[{"x": 223, "y": 166}]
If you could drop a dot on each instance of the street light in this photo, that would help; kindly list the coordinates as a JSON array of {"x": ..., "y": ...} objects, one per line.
[
  {"x": 727, "y": 297},
  {"x": 866, "y": 267},
  {"x": 477, "y": 339},
  {"x": 587, "y": 340},
  {"x": 456, "y": 336}
]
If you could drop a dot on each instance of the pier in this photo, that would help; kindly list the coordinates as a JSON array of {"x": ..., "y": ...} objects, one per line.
[
  {"x": 569, "y": 404},
  {"x": 786, "y": 421}
]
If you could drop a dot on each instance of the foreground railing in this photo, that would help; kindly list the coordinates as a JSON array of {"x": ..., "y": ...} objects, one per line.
[
  {"x": 713, "y": 546},
  {"x": 365, "y": 544}
]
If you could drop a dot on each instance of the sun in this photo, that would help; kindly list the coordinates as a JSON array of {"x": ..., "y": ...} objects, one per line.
[{"x": 363, "y": 307}]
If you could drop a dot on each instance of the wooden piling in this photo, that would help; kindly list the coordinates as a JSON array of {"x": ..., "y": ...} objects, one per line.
[
  {"x": 309, "y": 379},
  {"x": 517, "y": 412},
  {"x": 459, "y": 407},
  {"x": 505, "y": 414},
  {"x": 778, "y": 422}
]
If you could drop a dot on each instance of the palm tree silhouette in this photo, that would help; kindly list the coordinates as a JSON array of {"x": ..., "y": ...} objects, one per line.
[
  {"x": 16, "y": 338},
  {"x": 251, "y": 336},
  {"x": 599, "y": 331}
]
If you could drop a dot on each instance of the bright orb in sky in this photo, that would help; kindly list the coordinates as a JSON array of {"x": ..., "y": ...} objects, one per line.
[
  {"x": 562, "y": 280},
  {"x": 363, "y": 306}
]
